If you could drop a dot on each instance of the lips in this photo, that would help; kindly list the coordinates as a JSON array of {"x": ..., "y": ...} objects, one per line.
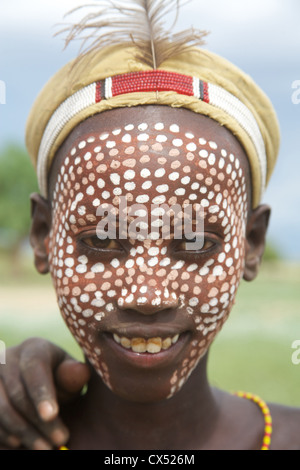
[{"x": 145, "y": 349}]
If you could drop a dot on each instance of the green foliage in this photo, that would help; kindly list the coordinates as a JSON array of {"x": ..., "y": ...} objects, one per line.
[
  {"x": 17, "y": 182},
  {"x": 271, "y": 253}
]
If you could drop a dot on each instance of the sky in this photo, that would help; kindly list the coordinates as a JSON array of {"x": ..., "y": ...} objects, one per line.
[{"x": 261, "y": 37}]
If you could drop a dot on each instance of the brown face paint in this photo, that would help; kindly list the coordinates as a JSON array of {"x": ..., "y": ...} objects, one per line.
[{"x": 146, "y": 305}]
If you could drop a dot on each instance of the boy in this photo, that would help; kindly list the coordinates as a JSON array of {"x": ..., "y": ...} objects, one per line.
[{"x": 145, "y": 304}]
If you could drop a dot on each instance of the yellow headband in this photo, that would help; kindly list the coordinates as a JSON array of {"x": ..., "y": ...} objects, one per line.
[{"x": 220, "y": 90}]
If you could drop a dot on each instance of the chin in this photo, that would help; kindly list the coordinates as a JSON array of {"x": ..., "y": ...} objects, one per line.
[
  {"x": 144, "y": 387},
  {"x": 141, "y": 394}
]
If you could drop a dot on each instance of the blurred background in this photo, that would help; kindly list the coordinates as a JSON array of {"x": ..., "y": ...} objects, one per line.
[{"x": 254, "y": 350}]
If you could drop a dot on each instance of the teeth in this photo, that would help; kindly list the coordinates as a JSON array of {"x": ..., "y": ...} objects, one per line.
[
  {"x": 117, "y": 338},
  {"x": 139, "y": 345},
  {"x": 142, "y": 345},
  {"x": 125, "y": 342},
  {"x": 154, "y": 345},
  {"x": 166, "y": 343},
  {"x": 175, "y": 339}
]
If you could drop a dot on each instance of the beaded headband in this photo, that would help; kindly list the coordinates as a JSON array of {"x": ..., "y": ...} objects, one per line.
[{"x": 143, "y": 82}]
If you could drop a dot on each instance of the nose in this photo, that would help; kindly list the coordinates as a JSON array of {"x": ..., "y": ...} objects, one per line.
[{"x": 148, "y": 301}]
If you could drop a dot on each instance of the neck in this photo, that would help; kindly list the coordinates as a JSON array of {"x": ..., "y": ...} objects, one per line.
[{"x": 183, "y": 422}]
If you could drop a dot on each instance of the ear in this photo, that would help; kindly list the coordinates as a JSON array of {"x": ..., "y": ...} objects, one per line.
[
  {"x": 256, "y": 240},
  {"x": 40, "y": 229}
]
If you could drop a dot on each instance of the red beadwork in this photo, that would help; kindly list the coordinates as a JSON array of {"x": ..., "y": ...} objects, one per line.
[
  {"x": 153, "y": 80},
  {"x": 205, "y": 92},
  {"x": 150, "y": 81},
  {"x": 98, "y": 92}
]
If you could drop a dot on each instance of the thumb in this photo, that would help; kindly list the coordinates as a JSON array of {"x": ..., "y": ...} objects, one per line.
[{"x": 70, "y": 377}]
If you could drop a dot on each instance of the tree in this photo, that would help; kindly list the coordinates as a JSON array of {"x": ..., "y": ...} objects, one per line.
[{"x": 17, "y": 182}]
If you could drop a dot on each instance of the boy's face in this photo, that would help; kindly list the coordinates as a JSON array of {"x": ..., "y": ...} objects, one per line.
[{"x": 145, "y": 309}]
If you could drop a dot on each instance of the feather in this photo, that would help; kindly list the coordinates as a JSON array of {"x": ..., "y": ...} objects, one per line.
[{"x": 138, "y": 22}]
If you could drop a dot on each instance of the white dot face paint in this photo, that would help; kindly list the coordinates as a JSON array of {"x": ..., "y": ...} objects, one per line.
[{"x": 98, "y": 281}]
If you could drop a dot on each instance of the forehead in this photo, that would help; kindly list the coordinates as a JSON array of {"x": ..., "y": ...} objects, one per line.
[
  {"x": 151, "y": 131},
  {"x": 171, "y": 153}
]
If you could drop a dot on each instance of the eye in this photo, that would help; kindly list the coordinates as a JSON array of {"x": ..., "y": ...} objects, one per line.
[
  {"x": 196, "y": 245},
  {"x": 97, "y": 243}
]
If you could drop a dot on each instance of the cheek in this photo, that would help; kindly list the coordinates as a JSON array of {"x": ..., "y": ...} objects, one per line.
[
  {"x": 84, "y": 289},
  {"x": 207, "y": 293}
]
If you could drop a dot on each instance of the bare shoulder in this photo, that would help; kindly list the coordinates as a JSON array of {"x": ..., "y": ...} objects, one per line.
[{"x": 286, "y": 427}]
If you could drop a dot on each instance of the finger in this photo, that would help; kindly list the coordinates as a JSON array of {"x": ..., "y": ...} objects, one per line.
[
  {"x": 15, "y": 385},
  {"x": 17, "y": 394},
  {"x": 23, "y": 411},
  {"x": 38, "y": 361},
  {"x": 71, "y": 376},
  {"x": 13, "y": 426},
  {"x": 8, "y": 440},
  {"x": 31, "y": 431}
]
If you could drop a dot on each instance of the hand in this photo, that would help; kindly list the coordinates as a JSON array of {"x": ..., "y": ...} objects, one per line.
[{"x": 37, "y": 377}]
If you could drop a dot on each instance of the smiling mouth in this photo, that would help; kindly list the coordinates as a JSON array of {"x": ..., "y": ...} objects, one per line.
[{"x": 146, "y": 345}]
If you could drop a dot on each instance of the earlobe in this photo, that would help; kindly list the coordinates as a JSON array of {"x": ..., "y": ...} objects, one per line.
[
  {"x": 40, "y": 228},
  {"x": 255, "y": 241}
]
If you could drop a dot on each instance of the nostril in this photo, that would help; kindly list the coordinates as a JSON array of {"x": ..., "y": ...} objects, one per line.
[{"x": 148, "y": 304}]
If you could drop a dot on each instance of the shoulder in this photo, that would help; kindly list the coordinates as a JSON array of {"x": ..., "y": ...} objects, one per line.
[{"x": 286, "y": 427}]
